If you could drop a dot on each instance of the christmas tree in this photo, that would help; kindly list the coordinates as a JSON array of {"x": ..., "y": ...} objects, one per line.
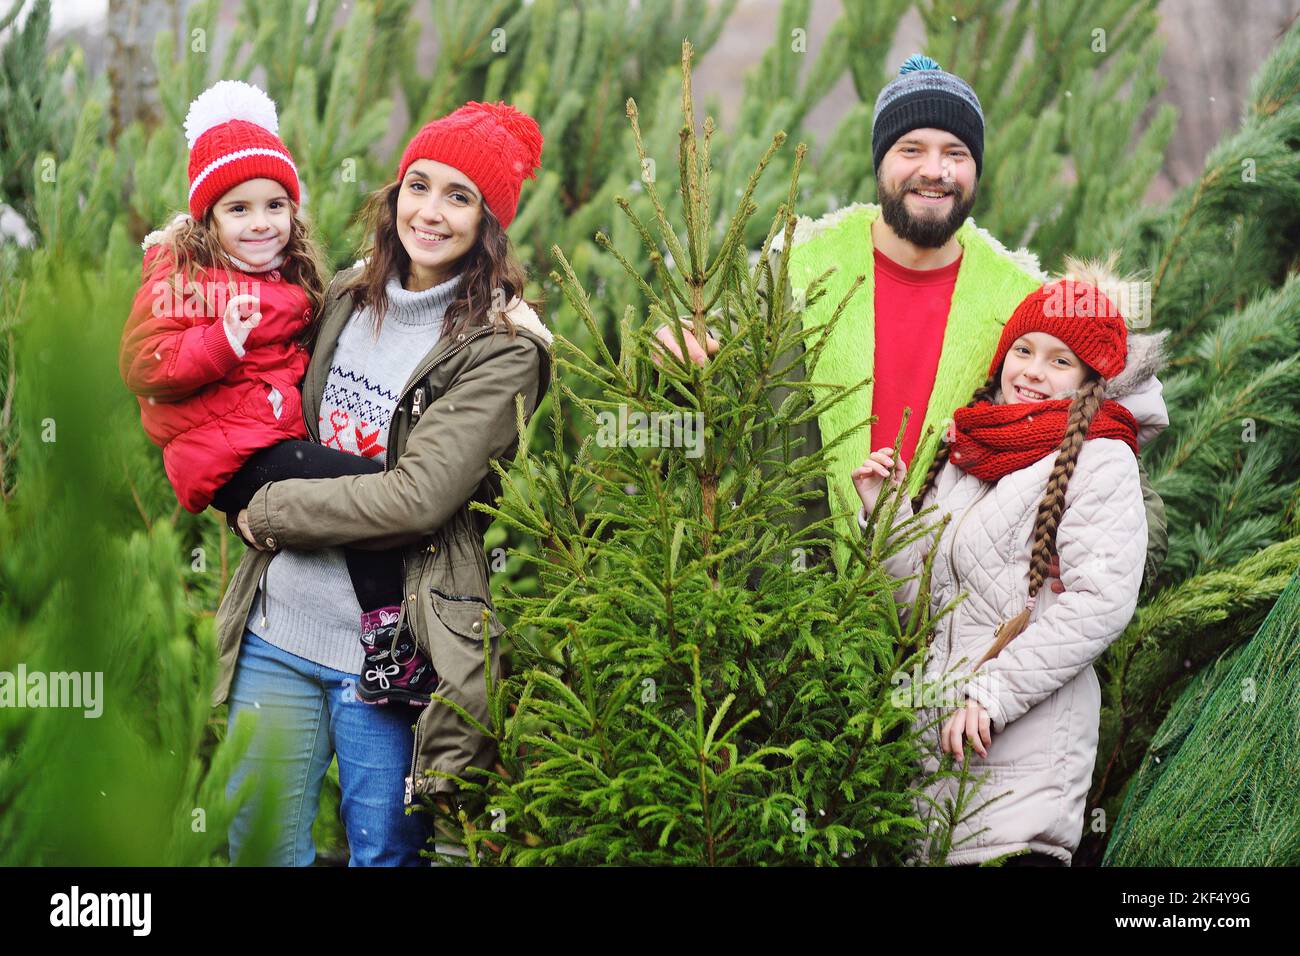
[
  {"x": 1217, "y": 786},
  {"x": 690, "y": 686}
]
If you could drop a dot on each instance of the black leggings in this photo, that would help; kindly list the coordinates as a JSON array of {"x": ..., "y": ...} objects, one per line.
[{"x": 376, "y": 575}]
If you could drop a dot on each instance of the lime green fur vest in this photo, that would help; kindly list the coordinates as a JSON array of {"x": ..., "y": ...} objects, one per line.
[{"x": 991, "y": 282}]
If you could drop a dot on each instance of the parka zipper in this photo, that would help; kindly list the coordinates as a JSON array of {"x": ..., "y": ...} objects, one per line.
[
  {"x": 415, "y": 750},
  {"x": 414, "y": 411},
  {"x": 415, "y": 744},
  {"x": 262, "y": 587},
  {"x": 419, "y": 376},
  {"x": 952, "y": 562}
]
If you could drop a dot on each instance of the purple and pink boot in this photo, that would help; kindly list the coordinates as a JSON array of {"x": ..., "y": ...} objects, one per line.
[{"x": 395, "y": 670}]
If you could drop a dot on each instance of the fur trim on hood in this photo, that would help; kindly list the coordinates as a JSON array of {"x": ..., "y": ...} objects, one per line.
[
  {"x": 158, "y": 236},
  {"x": 1138, "y": 389},
  {"x": 1145, "y": 358},
  {"x": 522, "y": 315}
]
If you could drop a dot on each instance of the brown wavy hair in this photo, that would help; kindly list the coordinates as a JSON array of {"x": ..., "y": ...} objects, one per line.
[
  {"x": 491, "y": 264},
  {"x": 193, "y": 245},
  {"x": 1083, "y": 408}
]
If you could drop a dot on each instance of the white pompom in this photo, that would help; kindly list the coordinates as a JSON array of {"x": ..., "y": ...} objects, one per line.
[{"x": 226, "y": 100}]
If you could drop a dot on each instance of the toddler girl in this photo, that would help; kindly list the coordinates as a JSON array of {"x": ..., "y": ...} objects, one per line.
[{"x": 215, "y": 349}]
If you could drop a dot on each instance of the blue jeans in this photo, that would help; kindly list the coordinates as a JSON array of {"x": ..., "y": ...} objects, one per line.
[{"x": 307, "y": 713}]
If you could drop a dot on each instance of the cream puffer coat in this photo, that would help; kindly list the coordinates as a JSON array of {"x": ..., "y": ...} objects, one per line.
[{"x": 1041, "y": 691}]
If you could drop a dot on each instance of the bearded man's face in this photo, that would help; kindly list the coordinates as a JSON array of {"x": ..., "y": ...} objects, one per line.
[{"x": 926, "y": 184}]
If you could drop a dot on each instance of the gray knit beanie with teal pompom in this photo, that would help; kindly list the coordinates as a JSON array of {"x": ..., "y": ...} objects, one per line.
[{"x": 924, "y": 95}]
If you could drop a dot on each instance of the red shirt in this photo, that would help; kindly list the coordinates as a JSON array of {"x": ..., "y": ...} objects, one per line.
[{"x": 911, "y": 316}]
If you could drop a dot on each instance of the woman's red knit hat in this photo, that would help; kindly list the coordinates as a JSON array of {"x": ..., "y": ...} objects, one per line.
[
  {"x": 232, "y": 128},
  {"x": 1077, "y": 313},
  {"x": 494, "y": 144}
]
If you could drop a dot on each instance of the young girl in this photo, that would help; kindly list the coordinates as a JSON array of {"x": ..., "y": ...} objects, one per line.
[
  {"x": 1043, "y": 459},
  {"x": 431, "y": 335},
  {"x": 214, "y": 349}
]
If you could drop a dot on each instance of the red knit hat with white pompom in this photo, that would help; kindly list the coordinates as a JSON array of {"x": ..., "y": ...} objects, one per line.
[
  {"x": 1077, "y": 313},
  {"x": 232, "y": 130},
  {"x": 494, "y": 144}
]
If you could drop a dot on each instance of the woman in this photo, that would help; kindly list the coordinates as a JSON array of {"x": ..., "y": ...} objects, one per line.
[{"x": 413, "y": 363}]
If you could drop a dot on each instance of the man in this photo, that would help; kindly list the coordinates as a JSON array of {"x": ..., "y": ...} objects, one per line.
[{"x": 937, "y": 289}]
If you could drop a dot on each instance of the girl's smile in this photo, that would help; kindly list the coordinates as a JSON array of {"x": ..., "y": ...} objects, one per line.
[{"x": 1029, "y": 395}]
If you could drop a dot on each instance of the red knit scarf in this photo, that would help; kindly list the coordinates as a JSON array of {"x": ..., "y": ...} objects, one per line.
[{"x": 994, "y": 440}]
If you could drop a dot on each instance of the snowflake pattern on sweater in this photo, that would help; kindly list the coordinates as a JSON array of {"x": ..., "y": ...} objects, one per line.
[{"x": 355, "y": 413}]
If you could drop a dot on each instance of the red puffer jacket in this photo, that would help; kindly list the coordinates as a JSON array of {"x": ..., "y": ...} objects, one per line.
[{"x": 204, "y": 405}]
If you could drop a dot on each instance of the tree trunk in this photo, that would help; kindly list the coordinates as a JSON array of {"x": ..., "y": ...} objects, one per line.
[{"x": 132, "y": 27}]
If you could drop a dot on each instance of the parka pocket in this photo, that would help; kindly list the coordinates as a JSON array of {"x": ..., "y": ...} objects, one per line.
[{"x": 462, "y": 615}]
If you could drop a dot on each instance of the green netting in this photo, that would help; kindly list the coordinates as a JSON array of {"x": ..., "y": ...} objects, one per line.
[{"x": 1218, "y": 785}]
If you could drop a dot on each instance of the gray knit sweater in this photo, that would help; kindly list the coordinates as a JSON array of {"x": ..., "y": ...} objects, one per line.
[{"x": 311, "y": 609}]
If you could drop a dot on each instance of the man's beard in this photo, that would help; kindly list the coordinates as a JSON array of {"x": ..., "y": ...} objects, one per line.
[{"x": 929, "y": 232}]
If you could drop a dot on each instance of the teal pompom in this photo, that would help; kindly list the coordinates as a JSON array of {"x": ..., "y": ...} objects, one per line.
[{"x": 917, "y": 61}]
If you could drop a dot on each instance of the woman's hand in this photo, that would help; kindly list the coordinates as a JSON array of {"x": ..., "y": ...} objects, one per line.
[
  {"x": 973, "y": 722},
  {"x": 245, "y": 532},
  {"x": 870, "y": 478}
]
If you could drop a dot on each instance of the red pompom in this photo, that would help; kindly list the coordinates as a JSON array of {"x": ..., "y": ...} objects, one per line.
[
  {"x": 494, "y": 144},
  {"x": 523, "y": 128}
]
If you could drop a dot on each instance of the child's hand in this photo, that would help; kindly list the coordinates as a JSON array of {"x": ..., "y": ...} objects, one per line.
[
  {"x": 973, "y": 722},
  {"x": 870, "y": 478},
  {"x": 237, "y": 327},
  {"x": 1054, "y": 574}
]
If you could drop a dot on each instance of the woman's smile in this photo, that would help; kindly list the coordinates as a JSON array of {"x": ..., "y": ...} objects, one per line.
[{"x": 428, "y": 237}]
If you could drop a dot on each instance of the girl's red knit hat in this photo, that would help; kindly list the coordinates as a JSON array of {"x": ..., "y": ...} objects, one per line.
[
  {"x": 494, "y": 144},
  {"x": 232, "y": 130},
  {"x": 1077, "y": 313}
]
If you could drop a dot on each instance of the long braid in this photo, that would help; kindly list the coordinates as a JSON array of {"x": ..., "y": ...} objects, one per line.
[
  {"x": 1087, "y": 401},
  {"x": 984, "y": 393}
]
